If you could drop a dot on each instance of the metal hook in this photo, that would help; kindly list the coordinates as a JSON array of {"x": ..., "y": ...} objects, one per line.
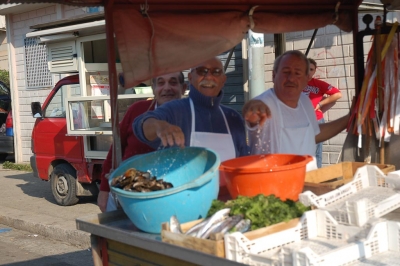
[
  {"x": 251, "y": 17},
  {"x": 143, "y": 10},
  {"x": 336, "y": 12}
]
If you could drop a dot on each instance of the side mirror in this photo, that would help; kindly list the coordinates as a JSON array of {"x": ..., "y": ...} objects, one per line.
[{"x": 36, "y": 109}]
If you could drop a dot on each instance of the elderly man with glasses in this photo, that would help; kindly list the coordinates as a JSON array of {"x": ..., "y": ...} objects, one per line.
[{"x": 199, "y": 120}]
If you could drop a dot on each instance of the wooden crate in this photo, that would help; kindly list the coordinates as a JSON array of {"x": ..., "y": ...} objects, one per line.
[
  {"x": 216, "y": 246},
  {"x": 328, "y": 178}
]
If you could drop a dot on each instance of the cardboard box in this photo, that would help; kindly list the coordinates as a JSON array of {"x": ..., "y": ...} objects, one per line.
[
  {"x": 216, "y": 246},
  {"x": 328, "y": 178}
]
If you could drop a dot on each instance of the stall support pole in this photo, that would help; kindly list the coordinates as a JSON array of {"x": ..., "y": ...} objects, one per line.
[
  {"x": 96, "y": 253},
  {"x": 112, "y": 73},
  {"x": 379, "y": 78},
  {"x": 256, "y": 64}
]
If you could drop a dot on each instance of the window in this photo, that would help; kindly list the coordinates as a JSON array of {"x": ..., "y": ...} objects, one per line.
[
  {"x": 94, "y": 9},
  {"x": 56, "y": 106},
  {"x": 37, "y": 71}
]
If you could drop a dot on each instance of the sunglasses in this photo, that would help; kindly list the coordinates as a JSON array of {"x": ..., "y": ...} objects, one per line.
[{"x": 203, "y": 71}]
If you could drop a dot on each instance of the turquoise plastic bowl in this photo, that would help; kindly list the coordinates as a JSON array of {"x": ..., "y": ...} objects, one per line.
[{"x": 193, "y": 171}]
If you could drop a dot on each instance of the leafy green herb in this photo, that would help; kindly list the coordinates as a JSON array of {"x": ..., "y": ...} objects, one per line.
[{"x": 261, "y": 210}]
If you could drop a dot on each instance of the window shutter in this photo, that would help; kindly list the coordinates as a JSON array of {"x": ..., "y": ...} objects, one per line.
[{"x": 61, "y": 57}]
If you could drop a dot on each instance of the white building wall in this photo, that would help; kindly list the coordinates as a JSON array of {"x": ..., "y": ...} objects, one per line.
[
  {"x": 3, "y": 50},
  {"x": 19, "y": 27}
]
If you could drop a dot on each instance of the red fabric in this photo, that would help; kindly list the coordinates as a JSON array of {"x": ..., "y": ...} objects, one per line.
[
  {"x": 168, "y": 41},
  {"x": 175, "y": 45},
  {"x": 316, "y": 89},
  {"x": 130, "y": 145}
]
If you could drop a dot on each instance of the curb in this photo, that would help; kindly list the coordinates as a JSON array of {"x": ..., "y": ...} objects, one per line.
[{"x": 74, "y": 237}]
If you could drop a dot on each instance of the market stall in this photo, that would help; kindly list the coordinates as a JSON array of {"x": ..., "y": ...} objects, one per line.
[{"x": 346, "y": 229}]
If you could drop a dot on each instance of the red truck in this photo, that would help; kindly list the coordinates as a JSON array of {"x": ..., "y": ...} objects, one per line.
[
  {"x": 72, "y": 135},
  {"x": 58, "y": 157}
]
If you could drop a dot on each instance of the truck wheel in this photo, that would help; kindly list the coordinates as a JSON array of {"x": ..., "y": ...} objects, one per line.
[{"x": 63, "y": 185}]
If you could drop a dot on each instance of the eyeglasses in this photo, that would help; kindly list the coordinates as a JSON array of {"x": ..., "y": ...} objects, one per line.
[{"x": 203, "y": 71}]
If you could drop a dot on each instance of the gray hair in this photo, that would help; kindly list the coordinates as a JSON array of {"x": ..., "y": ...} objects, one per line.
[{"x": 295, "y": 53}]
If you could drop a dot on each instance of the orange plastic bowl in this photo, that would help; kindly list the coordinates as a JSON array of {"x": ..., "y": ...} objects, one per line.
[{"x": 279, "y": 174}]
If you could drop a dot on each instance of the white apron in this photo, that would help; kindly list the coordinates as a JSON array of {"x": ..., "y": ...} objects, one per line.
[
  {"x": 300, "y": 140},
  {"x": 221, "y": 143}
]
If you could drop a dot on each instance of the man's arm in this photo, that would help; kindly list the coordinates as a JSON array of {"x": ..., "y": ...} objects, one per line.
[
  {"x": 333, "y": 93},
  {"x": 170, "y": 135},
  {"x": 328, "y": 102},
  {"x": 331, "y": 129}
]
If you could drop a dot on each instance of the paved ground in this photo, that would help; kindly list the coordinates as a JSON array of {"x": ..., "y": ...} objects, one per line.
[
  {"x": 26, "y": 203},
  {"x": 20, "y": 248}
]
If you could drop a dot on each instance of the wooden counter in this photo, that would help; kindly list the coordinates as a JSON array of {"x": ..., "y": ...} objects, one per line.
[{"x": 116, "y": 241}]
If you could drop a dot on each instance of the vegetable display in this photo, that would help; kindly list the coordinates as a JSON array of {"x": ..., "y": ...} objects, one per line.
[{"x": 261, "y": 210}]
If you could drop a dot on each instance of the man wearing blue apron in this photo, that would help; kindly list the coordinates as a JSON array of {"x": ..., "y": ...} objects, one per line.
[
  {"x": 282, "y": 119},
  {"x": 199, "y": 120}
]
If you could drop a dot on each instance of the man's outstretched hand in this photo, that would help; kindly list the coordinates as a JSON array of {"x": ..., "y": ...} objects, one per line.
[{"x": 256, "y": 112}]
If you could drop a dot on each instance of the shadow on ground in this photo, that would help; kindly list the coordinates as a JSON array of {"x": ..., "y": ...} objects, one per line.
[
  {"x": 10, "y": 158},
  {"x": 83, "y": 257},
  {"x": 36, "y": 187}
]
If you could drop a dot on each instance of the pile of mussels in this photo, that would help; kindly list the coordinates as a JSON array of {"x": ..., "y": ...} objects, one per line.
[{"x": 138, "y": 181}]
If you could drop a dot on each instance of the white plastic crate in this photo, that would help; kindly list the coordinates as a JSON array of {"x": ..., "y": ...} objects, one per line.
[
  {"x": 371, "y": 194},
  {"x": 386, "y": 258},
  {"x": 317, "y": 240}
]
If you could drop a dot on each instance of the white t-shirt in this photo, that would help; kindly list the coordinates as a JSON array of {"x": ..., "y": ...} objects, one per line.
[{"x": 270, "y": 137}]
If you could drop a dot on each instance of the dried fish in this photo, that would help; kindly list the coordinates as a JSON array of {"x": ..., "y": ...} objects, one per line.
[
  {"x": 175, "y": 225},
  {"x": 242, "y": 226},
  {"x": 233, "y": 220},
  {"x": 197, "y": 227},
  {"x": 217, "y": 217},
  {"x": 215, "y": 228},
  {"x": 223, "y": 226}
]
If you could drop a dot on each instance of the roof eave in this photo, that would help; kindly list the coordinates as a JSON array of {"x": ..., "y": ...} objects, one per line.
[{"x": 9, "y": 9}]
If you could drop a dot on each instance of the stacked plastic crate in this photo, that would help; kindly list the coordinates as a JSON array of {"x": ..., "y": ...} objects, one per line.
[{"x": 346, "y": 229}]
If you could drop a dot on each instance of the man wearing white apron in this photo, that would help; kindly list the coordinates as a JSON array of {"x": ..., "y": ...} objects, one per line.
[
  {"x": 199, "y": 120},
  {"x": 282, "y": 119}
]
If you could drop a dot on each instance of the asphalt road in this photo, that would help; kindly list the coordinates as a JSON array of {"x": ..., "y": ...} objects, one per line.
[{"x": 19, "y": 248}]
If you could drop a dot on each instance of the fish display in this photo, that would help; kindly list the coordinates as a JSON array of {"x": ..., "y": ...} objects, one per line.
[
  {"x": 244, "y": 214},
  {"x": 220, "y": 222},
  {"x": 139, "y": 181}
]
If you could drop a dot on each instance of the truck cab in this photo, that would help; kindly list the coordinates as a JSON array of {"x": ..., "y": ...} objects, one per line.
[{"x": 58, "y": 157}]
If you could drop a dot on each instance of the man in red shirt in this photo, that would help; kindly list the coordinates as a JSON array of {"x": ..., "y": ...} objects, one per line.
[
  {"x": 323, "y": 96},
  {"x": 165, "y": 88}
]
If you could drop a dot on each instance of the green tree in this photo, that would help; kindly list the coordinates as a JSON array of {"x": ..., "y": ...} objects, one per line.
[{"x": 5, "y": 77}]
